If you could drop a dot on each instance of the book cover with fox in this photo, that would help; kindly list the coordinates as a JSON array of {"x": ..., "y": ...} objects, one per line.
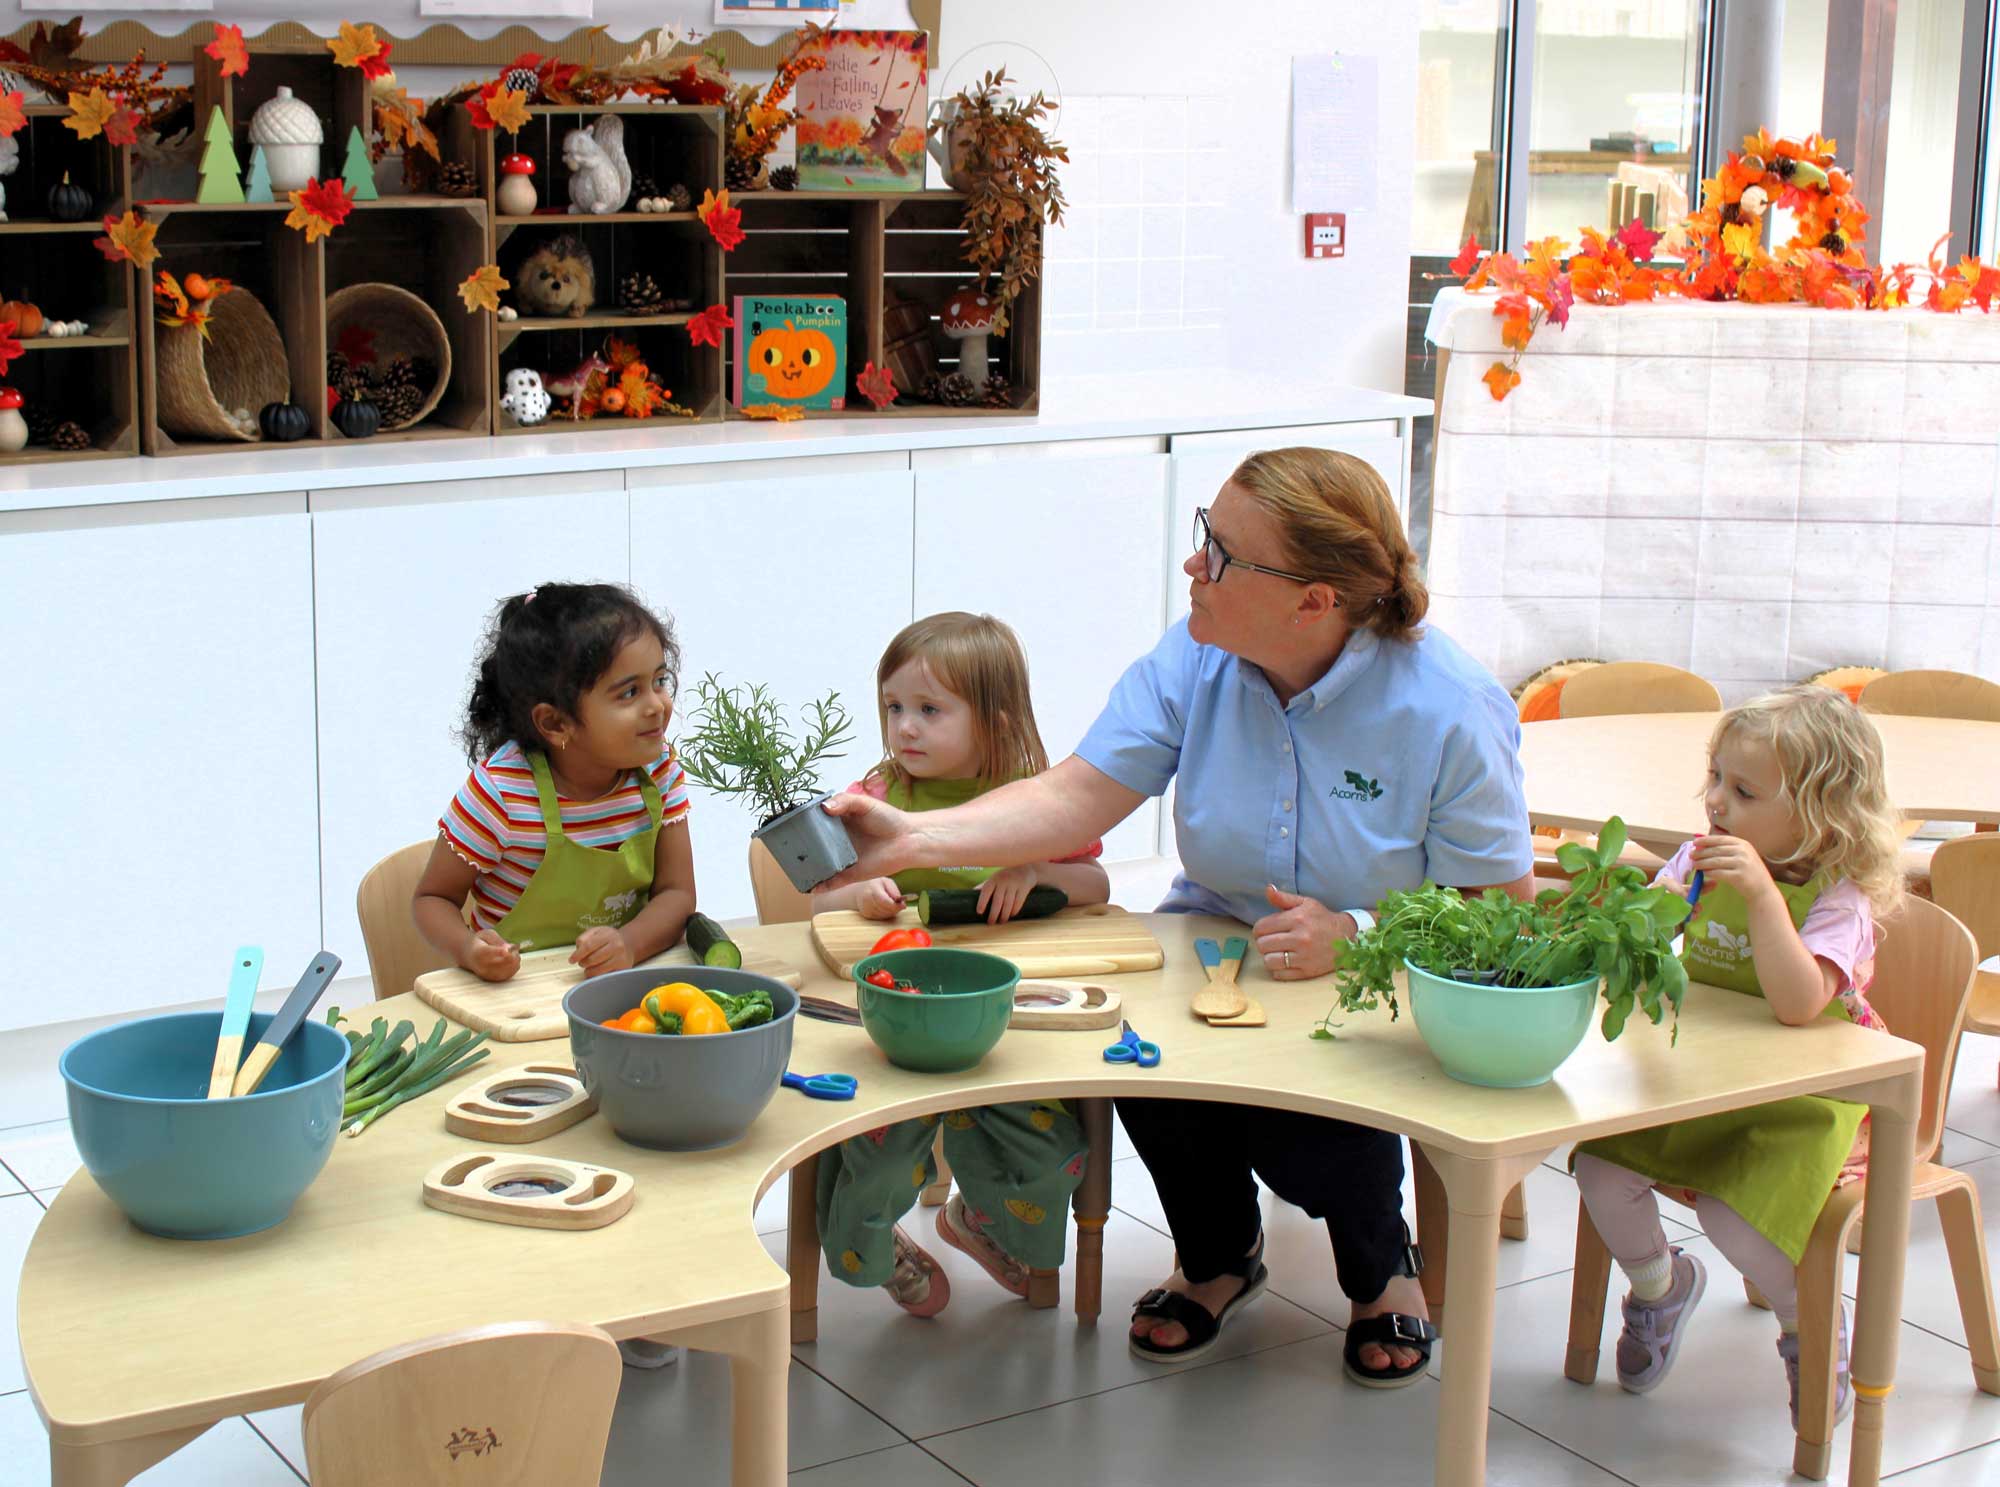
[
  {"x": 861, "y": 119},
  {"x": 790, "y": 348}
]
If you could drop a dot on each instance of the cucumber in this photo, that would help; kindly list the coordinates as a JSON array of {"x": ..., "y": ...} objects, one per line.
[
  {"x": 711, "y": 943},
  {"x": 961, "y": 905}
]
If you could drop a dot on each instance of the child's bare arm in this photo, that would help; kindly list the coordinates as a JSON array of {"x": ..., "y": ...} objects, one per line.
[
  {"x": 1797, "y": 983},
  {"x": 656, "y": 927},
  {"x": 1081, "y": 882},
  {"x": 438, "y": 907},
  {"x": 876, "y": 898}
]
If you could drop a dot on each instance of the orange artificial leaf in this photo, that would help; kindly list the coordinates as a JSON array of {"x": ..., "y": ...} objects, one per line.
[
  {"x": 1468, "y": 256},
  {"x": 642, "y": 395},
  {"x": 9, "y": 347},
  {"x": 508, "y": 108},
  {"x": 229, "y": 50},
  {"x": 128, "y": 239},
  {"x": 399, "y": 119},
  {"x": 12, "y": 118},
  {"x": 319, "y": 208},
  {"x": 1740, "y": 239},
  {"x": 724, "y": 222},
  {"x": 1516, "y": 331},
  {"x": 876, "y": 385},
  {"x": 785, "y": 412},
  {"x": 122, "y": 128},
  {"x": 89, "y": 113},
  {"x": 706, "y": 328},
  {"x": 168, "y": 291},
  {"x": 620, "y": 353},
  {"x": 356, "y": 46},
  {"x": 481, "y": 288},
  {"x": 1499, "y": 379}
]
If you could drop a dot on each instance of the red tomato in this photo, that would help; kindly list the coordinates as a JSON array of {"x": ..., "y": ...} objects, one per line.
[
  {"x": 882, "y": 979},
  {"x": 903, "y": 939}
]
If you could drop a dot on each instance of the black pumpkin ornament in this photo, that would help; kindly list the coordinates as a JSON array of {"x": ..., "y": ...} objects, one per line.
[
  {"x": 69, "y": 202},
  {"x": 356, "y": 418},
  {"x": 283, "y": 422}
]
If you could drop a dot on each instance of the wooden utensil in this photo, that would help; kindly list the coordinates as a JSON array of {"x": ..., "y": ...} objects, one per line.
[
  {"x": 243, "y": 974},
  {"x": 1220, "y": 997},
  {"x": 278, "y": 1031},
  {"x": 1065, "y": 1006},
  {"x": 1100, "y": 940},
  {"x": 535, "y": 1192},
  {"x": 528, "y": 1008},
  {"x": 520, "y": 1105},
  {"x": 1252, "y": 1015}
]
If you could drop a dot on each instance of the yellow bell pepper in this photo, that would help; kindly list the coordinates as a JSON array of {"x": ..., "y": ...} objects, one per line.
[{"x": 697, "y": 1011}]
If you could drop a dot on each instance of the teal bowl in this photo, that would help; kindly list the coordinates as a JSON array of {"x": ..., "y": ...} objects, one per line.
[
  {"x": 952, "y": 1024},
  {"x": 1504, "y": 1037},
  {"x": 187, "y": 1167}
]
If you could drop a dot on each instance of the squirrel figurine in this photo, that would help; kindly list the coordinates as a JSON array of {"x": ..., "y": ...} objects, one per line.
[
  {"x": 600, "y": 177},
  {"x": 558, "y": 278}
]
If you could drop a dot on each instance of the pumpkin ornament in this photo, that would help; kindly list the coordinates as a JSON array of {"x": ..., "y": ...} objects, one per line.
[
  {"x": 281, "y": 423},
  {"x": 28, "y": 319},
  {"x": 788, "y": 363},
  {"x": 69, "y": 202},
  {"x": 357, "y": 418}
]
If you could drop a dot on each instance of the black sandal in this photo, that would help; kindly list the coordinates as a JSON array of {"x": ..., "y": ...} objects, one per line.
[
  {"x": 1391, "y": 1329},
  {"x": 1202, "y": 1326}
]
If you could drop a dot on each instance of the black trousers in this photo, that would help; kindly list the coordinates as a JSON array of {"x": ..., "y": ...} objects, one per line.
[{"x": 1205, "y": 1159}]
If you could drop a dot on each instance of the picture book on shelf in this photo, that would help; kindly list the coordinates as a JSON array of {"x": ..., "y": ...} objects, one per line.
[
  {"x": 861, "y": 118},
  {"x": 791, "y": 349}
]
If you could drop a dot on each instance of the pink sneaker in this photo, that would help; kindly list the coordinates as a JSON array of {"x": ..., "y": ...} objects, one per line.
[
  {"x": 956, "y": 1228},
  {"x": 918, "y": 1284}
]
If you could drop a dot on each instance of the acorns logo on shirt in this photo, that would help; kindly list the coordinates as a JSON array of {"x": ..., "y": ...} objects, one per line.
[{"x": 1358, "y": 788}]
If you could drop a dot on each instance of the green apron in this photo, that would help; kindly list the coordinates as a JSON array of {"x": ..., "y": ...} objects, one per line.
[
  {"x": 937, "y": 795},
  {"x": 578, "y": 887},
  {"x": 1774, "y": 1164}
]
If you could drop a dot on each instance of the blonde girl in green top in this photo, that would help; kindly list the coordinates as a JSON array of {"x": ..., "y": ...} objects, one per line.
[
  {"x": 1800, "y": 858},
  {"x": 956, "y": 722}
]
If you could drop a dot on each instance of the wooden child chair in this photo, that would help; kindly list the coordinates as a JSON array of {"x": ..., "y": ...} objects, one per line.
[
  {"x": 397, "y": 952},
  {"x": 1923, "y": 973},
  {"x": 1965, "y": 883},
  {"x": 518, "y": 1404},
  {"x": 1620, "y": 687},
  {"x": 778, "y": 902}
]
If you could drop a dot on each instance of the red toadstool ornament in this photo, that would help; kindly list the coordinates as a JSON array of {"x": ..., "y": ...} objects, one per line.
[
  {"x": 516, "y": 196},
  {"x": 967, "y": 318},
  {"x": 13, "y": 427}
]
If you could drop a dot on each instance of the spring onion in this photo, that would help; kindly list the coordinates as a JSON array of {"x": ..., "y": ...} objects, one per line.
[{"x": 383, "y": 1073}]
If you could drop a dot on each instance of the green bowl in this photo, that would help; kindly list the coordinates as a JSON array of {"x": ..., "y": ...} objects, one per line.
[
  {"x": 949, "y": 1026},
  {"x": 1504, "y": 1037}
]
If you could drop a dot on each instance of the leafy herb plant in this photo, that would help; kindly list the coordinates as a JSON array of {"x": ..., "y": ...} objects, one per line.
[
  {"x": 739, "y": 743},
  {"x": 1608, "y": 923}
]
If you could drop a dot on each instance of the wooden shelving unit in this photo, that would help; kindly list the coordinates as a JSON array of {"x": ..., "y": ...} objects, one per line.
[{"x": 91, "y": 380}]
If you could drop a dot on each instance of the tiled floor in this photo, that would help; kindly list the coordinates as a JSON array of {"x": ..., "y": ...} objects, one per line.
[{"x": 994, "y": 1394}]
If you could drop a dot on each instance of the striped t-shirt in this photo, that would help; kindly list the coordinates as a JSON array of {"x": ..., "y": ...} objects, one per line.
[{"x": 495, "y": 823}]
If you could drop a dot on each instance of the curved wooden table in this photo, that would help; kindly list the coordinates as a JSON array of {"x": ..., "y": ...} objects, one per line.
[
  {"x": 1647, "y": 769},
  {"x": 135, "y": 1345}
]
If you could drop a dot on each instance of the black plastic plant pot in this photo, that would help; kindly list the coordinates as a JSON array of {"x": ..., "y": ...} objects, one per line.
[{"x": 810, "y": 845}]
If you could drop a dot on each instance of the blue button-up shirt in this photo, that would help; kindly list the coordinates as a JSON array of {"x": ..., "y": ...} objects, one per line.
[{"x": 1402, "y": 763}]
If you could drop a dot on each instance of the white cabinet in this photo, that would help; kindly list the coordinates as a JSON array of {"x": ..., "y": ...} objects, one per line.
[
  {"x": 1065, "y": 546},
  {"x": 794, "y": 573},
  {"x": 404, "y": 580},
  {"x": 158, "y": 765}
]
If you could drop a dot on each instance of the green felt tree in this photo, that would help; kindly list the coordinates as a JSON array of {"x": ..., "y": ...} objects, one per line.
[
  {"x": 219, "y": 172},
  {"x": 258, "y": 187},
  {"x": 359, "y": 170}
]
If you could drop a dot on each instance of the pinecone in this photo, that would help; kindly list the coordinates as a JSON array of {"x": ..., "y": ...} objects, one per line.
[
  {"x": 338, "y": 368},
  {"x": 42, "y": 425},
  {"x": 955, "y": 390},
  {"x": 402, "y": 372},
  {"x": 639, "y": 294},
  {"x": 644, "y": 186},
  {"x": 399, "y": 403},
  {"x": 997, "y": 393},
  {"x": 678, "y": 196},
  {"x": 69, "y": 437},
  {"x": 455, "y": 178},
  {"x": 785, "y": 178},
  {"x": 523, "y": 80},
  {"x": 740, "y": 173}
]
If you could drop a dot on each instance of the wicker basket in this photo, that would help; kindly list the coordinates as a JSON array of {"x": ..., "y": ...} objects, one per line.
[
  {"x": 239, "y": 364},
  {"x": 403, "y": 325}
]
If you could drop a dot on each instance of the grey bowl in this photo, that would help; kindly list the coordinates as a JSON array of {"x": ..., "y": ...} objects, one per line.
[{"x": 675, "y": 1093}]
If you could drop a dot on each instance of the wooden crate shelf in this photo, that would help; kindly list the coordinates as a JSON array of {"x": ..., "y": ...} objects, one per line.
[{"x": 92, "y": 379}]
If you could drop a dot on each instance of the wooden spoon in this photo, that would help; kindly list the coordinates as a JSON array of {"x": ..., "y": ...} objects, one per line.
[{"x": 1221, "y": 996}]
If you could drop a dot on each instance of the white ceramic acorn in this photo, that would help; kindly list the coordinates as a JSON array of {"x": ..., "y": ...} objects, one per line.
[{"x": 290, "y": 133}]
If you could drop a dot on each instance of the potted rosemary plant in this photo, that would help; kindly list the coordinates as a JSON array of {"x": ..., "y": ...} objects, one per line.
[
  {"x": 1502, "y": 990},
  {"x": 739, "y": 743}
]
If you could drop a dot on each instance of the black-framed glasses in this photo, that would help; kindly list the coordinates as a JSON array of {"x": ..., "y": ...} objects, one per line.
[{"x": 1220, "y": 559}]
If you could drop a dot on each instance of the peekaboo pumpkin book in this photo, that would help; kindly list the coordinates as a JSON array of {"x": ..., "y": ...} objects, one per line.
[{"x": 791, "y": 349}]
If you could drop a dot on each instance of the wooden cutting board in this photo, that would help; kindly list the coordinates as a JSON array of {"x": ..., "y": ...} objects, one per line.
[
  {"x": 1101, "y": 940},
  {"x": 528, "y": 1009}
]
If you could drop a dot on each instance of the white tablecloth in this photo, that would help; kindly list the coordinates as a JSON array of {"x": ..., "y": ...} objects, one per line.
[{"x": 1755, "y": 493}]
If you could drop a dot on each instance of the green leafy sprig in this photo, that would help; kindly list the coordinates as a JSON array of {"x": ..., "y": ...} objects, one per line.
[
  {"x": 739, "y": 743},
  {"x": 1608, "y": 924}
]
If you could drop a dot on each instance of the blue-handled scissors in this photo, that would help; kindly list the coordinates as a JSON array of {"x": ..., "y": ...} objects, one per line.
[
  {"x": 1132, "y": 1049},
  {"x": 823, "y": 1086}
]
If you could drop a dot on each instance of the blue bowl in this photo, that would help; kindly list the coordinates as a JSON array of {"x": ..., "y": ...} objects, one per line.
[
  {"x": 670, "y": 1092},
  {"x": 187, "y": 1167},
  {"x": 1503, "y": 1037}
]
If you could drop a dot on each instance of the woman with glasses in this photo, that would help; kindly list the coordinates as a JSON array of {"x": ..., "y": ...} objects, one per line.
[{"x": 1328, "y": 749}]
